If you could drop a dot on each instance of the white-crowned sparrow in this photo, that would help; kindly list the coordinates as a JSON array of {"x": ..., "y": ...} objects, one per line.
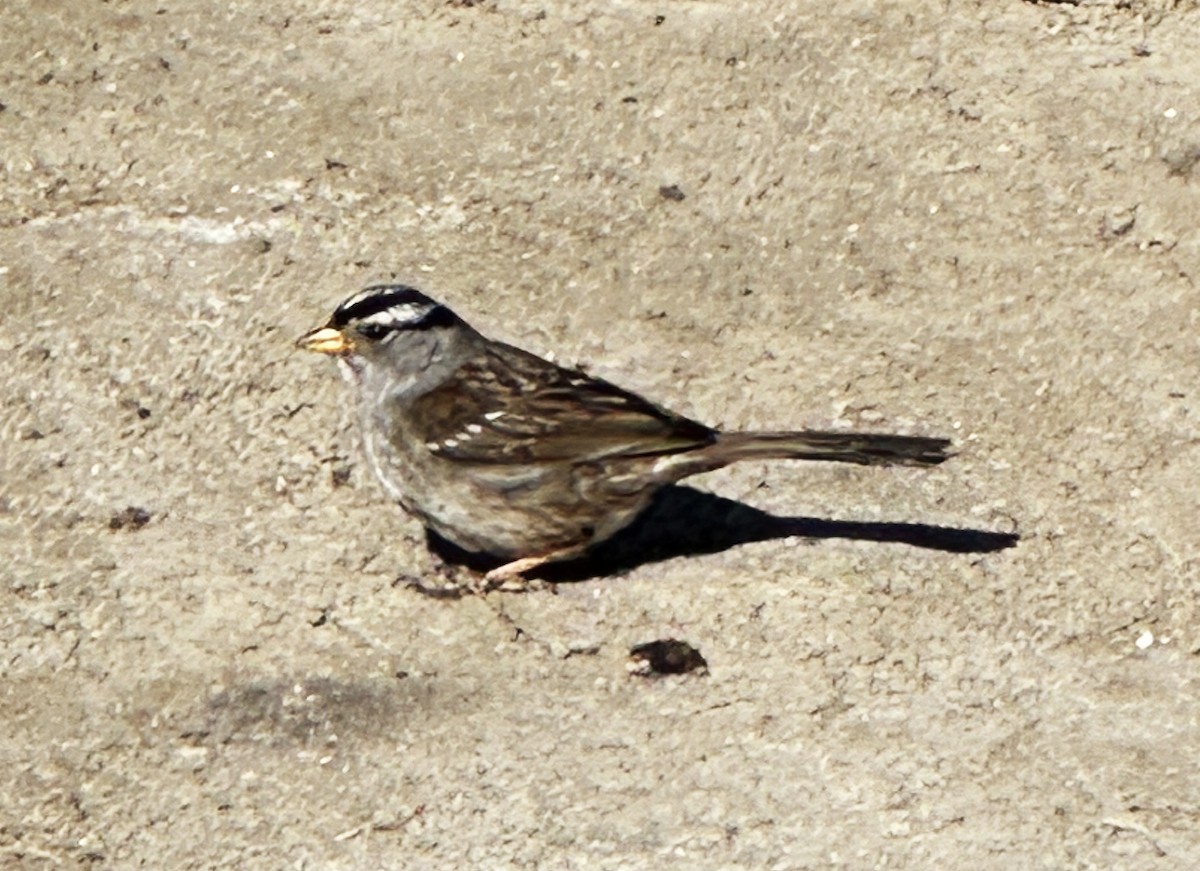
[{"x": 503, "y": 453}]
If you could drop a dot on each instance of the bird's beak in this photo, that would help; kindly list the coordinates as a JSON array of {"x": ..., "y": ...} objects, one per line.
[{"x": 326, "y": 340}]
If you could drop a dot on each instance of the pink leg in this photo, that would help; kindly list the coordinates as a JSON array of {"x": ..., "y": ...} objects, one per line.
[{"x": 510, "y": 575}]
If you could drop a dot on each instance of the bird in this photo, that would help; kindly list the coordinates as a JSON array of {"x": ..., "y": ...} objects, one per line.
[{"x": 512, "y": 457}]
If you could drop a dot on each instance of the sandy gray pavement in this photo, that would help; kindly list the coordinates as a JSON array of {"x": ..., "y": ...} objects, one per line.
[{"x": 970, "y": 219}]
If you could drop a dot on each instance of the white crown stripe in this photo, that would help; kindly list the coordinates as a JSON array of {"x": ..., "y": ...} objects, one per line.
[{"x": 398, "y": 315}]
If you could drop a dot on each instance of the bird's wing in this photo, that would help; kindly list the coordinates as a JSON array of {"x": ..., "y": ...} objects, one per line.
[{"x": 509, "y": 406}]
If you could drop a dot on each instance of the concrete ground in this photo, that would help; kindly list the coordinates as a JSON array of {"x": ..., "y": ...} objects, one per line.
[{"x": 965, "y": 219}]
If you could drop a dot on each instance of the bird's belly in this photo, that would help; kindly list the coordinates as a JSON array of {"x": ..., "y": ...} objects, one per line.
[
  {"x": 525, "y": 511},
  {"x": 508, "y": 511}
]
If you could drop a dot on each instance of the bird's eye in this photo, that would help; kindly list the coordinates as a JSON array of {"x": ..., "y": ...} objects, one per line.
[{"x": 374, "y": 332}]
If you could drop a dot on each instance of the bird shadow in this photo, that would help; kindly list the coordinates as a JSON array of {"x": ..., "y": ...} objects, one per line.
[{"x": 682, "y": 521}]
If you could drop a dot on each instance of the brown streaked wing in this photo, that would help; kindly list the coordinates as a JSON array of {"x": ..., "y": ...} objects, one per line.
[{"x": 547, "y": 413}]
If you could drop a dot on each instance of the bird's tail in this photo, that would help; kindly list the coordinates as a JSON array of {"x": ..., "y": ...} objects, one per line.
[{"x": 868, "y": 449}]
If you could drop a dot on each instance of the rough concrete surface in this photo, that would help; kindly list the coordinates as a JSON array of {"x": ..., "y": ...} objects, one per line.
[{"x": 966, "y": 219}]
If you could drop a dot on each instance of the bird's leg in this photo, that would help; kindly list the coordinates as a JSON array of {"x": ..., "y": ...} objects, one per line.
[{"x": 510, "y": 576}]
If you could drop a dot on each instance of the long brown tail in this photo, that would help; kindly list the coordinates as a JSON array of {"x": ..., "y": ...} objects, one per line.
[{"x": 869, "y": 449}]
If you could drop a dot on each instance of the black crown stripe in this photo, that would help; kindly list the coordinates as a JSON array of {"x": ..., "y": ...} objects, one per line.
[{"x": 374, "y": 300}]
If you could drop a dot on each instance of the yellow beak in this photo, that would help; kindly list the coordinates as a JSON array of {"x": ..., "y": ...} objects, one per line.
[{"x": 325, "y": 340}]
